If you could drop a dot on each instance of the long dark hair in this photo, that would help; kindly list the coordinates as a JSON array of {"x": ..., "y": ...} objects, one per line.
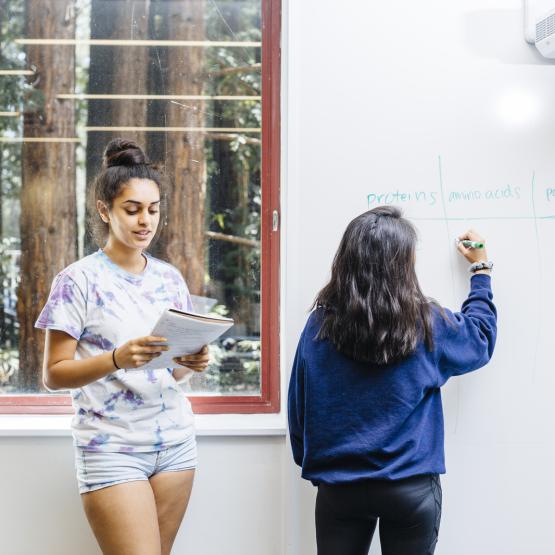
[
  {"x": 122, "y": 160},
  {"x": 373, "y": 308}
]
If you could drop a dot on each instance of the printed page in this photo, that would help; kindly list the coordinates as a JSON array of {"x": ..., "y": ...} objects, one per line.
[{"x": 185, "y": 336}]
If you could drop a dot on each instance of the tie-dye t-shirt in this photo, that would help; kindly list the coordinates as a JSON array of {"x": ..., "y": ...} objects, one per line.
[{"x": 103, "y": 306}]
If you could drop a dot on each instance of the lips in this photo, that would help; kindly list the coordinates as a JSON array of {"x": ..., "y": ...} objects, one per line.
[{"x": 142, "y": 234}]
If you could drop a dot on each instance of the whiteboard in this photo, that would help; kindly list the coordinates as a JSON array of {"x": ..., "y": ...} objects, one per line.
[{"x": 441, "y": 108}]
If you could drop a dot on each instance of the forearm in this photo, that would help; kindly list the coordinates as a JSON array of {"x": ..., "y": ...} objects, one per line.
[
  {"x": 70, "y": 374},
  {"x": 197, "y": 362},
  {"x": 181, "y": 373}
]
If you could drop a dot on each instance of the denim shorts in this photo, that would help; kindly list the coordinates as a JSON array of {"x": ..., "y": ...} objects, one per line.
[{"x": 101, "y": 469}]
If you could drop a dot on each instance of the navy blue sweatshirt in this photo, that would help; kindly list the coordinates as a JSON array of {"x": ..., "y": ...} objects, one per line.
[{"x": 351, "y": 421}]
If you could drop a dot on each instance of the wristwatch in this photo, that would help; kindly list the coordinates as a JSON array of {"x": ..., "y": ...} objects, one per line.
[{"x": 484, "y": 265}]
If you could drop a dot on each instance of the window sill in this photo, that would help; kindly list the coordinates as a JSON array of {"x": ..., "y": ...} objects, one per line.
[{"x": 22, "y": 425}]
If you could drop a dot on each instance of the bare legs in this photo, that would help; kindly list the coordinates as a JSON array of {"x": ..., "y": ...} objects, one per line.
[
  {"x": 139, "y": 517},
  {"x": 172, "y": 491}
]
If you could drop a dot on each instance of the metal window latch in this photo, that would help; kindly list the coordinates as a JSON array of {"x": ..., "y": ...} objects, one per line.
[{"x": 275, "y": 220}]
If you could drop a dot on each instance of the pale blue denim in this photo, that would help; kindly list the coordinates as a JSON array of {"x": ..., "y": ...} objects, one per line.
[{"x": 101, "y": 469}]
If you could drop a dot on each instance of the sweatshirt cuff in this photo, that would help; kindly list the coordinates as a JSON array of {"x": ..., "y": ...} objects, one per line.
[{"x": 480, "y": 280}]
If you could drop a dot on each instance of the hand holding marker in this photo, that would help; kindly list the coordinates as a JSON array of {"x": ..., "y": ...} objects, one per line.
[{"x": 472, "y": 246}]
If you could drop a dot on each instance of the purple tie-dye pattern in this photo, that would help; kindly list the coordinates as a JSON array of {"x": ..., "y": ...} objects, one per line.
[
  {"x": 97, "y": 441},
  {"x": 100, "y": 305},
  {"x": 150, "y": 298},
  {"x": 63, "y": 293},
  {"x": 48, "y": 320},
  {"x": 99, "y": 302},
  {"x": 126, "y": 449},
  {"x": 159, "y": 443},
  {"x": 168, "y": 296},
  {"x": 166, "y": 413},
  {"x": 113, "y": 299},
  {"x": 74, "y": 332},
  {"x": 132, "y": 399},
  {"x": 110, "y": 403},
  {"x": 98, "y": 341},
  {"x": 94, "y": 415},
  {"x": 151, "y": 376},
  {"x": 172, "y": 277},
  {"x": 47, "y": 315}
]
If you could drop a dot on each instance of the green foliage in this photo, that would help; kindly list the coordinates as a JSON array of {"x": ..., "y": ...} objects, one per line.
[
  {"x": 11, "y": 57},
  {"x": 234, "y": 168},
  {"x": 12, "y": 90},
  {"x": 219, "y": 310},
  {"x": 232, "y": 371},
  {"x": 236, "y": 273},
  {"x": 9, "y": 359}
]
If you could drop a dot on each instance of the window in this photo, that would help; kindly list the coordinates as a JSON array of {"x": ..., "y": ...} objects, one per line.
[{"x": 196, "y": 83}]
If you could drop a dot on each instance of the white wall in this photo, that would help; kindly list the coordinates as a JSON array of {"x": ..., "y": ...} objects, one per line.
[{"x": 236, "y": 507}]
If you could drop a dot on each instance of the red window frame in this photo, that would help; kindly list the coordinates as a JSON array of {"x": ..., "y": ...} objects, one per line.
[{"x": 269, "y": 399}]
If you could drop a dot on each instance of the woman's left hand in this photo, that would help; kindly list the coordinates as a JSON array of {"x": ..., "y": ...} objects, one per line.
[{"x": 197, "y": 362}]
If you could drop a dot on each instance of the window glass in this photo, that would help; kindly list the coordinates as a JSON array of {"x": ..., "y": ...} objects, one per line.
[{"x": 183, "y": 79}]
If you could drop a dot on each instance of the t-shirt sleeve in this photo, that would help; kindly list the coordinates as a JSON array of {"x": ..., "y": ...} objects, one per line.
[
  {"x": 184, "y": 301},
  {"x": 467, "y": 338},
  {"x": 66, "y": 307}
]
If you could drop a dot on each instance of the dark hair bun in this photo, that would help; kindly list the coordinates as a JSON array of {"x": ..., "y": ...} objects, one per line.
[{"x": 121, "y": 152}]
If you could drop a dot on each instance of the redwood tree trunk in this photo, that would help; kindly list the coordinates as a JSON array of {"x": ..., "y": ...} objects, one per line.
[
  {"x": 130, "y": 68},
  {"x": 99, "y": 112},
  {"x": 48, "y": 212},
  {"x": 183, "y": 235},
  {"x": 116, "y": 70}
]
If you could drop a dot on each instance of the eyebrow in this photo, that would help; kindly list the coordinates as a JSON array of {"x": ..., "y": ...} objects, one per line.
[{"x": 140, "y": 203}]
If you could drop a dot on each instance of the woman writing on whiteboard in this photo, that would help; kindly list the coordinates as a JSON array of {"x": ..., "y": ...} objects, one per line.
[
  {"x": 135, "y": 450},
  {"x": 365, "y": 413}
]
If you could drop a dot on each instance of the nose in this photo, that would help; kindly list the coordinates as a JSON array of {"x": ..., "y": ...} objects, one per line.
[{"x": 144, "y": 217}]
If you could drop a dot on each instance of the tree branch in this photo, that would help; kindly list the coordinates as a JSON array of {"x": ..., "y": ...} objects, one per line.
[
  {"x": 232, "y": 239},
  {"x": 234, "y": 70},
  {"x": 232, "y": 137}
]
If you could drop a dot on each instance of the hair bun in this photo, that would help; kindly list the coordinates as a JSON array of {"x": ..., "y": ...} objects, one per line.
[{"x": 121, "y": 152}]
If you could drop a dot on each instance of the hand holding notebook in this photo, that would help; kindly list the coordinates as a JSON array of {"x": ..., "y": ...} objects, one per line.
[{"x": 186, "y": 333}]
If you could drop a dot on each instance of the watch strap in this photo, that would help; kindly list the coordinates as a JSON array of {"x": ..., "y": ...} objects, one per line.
[{"x": 484, "y": 265}]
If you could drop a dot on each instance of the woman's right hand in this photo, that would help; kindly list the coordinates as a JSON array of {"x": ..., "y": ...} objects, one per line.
[
  {"x": 471, "y": 254},
  {"x": 137, "y": 352}
]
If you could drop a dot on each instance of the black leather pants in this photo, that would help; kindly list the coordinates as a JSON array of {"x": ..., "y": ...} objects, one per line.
[{"x": 409, "y": 512}]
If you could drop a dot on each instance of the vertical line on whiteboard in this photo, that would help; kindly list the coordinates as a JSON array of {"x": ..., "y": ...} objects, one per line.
[
  {"x": 449, "y": 250},
  {"x": 540, "y": 281}
]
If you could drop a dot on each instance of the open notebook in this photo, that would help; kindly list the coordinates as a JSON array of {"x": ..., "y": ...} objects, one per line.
[{"x": 187, "y": 333}]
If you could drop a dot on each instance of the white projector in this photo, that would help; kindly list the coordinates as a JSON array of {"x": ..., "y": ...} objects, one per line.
[{"x": 545, "y": 35}]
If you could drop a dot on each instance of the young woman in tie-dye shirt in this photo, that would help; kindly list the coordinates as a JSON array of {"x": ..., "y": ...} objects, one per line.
[{"x": 135, "y": 449}]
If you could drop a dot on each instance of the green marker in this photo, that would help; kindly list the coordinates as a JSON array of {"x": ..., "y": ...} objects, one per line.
[{"x": 472, "y": 244}]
